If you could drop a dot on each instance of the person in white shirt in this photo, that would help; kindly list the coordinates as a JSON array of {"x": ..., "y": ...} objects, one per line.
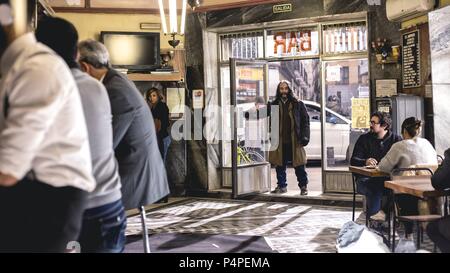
[
  {"x": 45, "y": 162},
  {"x": 412, "y": 150}
]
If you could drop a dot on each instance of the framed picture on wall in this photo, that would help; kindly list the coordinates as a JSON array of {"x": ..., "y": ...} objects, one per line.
[{"x": 386, "y": 88}]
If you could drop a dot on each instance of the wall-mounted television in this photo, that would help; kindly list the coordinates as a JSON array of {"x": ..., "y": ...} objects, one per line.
[{"x": 135, "y": 51}]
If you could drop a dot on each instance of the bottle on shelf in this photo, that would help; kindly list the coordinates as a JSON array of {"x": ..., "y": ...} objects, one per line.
[
  {"x": 365, "y": 36},
  {"x": 361, "y": 39},
  {"x": 355, "y": 38},
  {"x": 327, "y": 41},
  {"x": 332, "y": 41},
  {"x": 344, "y": 39},
  {"x": 349, "y": 39},
  {"x": 337, "y": 39}
]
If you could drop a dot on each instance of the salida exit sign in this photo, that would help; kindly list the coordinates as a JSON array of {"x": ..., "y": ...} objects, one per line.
[{"x": 282, "y": 8}]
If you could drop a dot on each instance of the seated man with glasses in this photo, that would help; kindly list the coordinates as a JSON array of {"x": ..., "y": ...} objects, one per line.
[{"x": 369, "y": 150}]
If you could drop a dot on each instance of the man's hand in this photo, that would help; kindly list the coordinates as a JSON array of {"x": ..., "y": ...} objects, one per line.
[
  {"x": 7, "y": 180},
  {"x": 371, "y": 162}
]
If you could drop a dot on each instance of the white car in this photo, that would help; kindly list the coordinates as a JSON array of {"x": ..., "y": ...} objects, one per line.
[{"x": 337, "y": 133}]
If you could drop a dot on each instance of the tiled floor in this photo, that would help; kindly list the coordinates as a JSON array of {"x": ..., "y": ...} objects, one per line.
[{"x": 287, "y": 228}]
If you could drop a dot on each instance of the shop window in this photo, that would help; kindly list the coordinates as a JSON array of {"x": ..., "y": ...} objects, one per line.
[{"x": 242, "y": 46}]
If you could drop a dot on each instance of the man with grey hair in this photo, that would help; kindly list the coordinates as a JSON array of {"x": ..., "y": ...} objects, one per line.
[{"x": 141, "y": 167}]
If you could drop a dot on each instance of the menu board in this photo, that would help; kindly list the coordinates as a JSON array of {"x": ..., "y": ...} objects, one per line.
[{"x": 411, "y": 59}]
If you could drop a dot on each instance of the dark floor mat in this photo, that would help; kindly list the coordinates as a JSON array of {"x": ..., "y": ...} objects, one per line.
[{"x": 198, "y": 243}]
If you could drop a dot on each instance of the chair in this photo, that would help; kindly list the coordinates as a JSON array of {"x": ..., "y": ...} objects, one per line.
[
  {"x": 144, "y": 224},
  {"x": 354, "y": 201},
  {"x": 405, "y": 173}
]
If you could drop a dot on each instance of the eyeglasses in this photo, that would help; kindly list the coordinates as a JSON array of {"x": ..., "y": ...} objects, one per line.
[{"x": 373, "y": 122}]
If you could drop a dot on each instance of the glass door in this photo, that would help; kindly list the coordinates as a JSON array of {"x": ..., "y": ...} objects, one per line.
[{"x": 250, "y": 169}]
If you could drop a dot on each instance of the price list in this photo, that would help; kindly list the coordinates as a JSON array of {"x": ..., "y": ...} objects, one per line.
[{"x": 411, "y": 60}]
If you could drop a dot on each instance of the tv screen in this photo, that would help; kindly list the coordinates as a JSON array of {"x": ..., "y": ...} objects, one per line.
[{"x": 132, "y": 50}]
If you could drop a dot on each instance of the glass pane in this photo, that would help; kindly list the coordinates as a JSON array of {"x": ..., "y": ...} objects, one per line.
[
  {"x": 135, "y": 4},
  {"x": 226, "y": 119},
  {"x": 347, "y": 98},
  {"x": 300, "y": 42},
  {"x": 242, "y": 46},
  {"x": 303, "y": 76},
  {"x": 251, "y": 130},
  {"x": 345, "y": 38},
  {"x": 65, "y": 3}
]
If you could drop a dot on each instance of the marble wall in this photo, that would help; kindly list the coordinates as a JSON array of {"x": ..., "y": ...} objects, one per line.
[
  {"x": 199, "y": 60},
  {"x": 440, "y": 63}
]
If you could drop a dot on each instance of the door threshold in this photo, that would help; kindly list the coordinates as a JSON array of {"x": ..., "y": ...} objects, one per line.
[{"x": 313, "y": 198}]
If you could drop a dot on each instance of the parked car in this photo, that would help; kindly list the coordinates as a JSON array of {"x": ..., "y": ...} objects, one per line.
[{"x": 337, "y": 133}]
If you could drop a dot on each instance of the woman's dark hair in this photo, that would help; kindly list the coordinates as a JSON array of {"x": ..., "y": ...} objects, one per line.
[
  {"x": 154, "y": 90},
  {"x": 412, "y": 126},
  {"x": 290, "y": 93},
  {"x": 384, "y": 119}
]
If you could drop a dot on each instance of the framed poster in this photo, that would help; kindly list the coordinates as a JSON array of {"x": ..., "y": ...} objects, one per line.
[
  {"x": 386, "y": 88},
  {"x": 175, "y": 101},
  {"x": 197, "y": 99}
]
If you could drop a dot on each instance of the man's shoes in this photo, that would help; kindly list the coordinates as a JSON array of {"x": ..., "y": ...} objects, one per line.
[
  {"x": 303, "y": 191},
  {"x": 379, "y": 216},
  {"x": 278, "y": 189}
]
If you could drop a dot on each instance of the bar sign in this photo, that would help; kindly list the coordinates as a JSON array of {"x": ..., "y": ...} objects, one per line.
[{"x": 282, "y": 8}]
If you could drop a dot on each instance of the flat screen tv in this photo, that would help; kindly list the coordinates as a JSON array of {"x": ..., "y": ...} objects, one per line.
[{"x": 135, "y": 51}]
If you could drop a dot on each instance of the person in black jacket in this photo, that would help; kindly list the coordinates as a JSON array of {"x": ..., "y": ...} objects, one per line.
[
  {"x": 160, "y": 112},
  {"x": 294, "y": 134},
  {"x": 439, "y": 232},
  {"x": 369, "y": 149}
]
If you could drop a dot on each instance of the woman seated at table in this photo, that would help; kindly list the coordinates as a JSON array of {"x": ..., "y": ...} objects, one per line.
[{"x": 411, "y": 151}]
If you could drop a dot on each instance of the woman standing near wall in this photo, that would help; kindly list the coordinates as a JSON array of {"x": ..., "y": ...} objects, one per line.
[{"x": 160, "y": 113}]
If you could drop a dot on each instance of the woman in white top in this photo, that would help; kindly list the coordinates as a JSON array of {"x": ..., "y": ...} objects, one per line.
[{"x": 412, "y": 150}]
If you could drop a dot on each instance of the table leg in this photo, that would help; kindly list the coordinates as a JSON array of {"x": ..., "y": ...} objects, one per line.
[{"x": 393, "y": 221}]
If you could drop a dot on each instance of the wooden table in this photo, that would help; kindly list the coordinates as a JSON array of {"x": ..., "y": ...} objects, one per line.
[
  {"x": 369, "y": 172},
  {"x": 419, "y": 187}
]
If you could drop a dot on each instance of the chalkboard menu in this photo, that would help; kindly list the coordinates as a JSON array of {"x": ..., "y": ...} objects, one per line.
[{"x": 411, "y": 59}]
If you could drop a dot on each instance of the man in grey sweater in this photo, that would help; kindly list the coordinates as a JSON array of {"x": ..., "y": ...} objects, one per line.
[{"x": 104, "y": 220}]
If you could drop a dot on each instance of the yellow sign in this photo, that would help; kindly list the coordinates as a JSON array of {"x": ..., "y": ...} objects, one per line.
[
  {"x": 360, "y": 113},
  {"x": 282, "y": 8},
  {"x": 253, "y": 74}
]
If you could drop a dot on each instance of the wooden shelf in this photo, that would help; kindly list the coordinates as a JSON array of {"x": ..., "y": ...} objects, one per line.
[
  {"x": 141, "y": 77},
  {"x": 178, "y": 63}
]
